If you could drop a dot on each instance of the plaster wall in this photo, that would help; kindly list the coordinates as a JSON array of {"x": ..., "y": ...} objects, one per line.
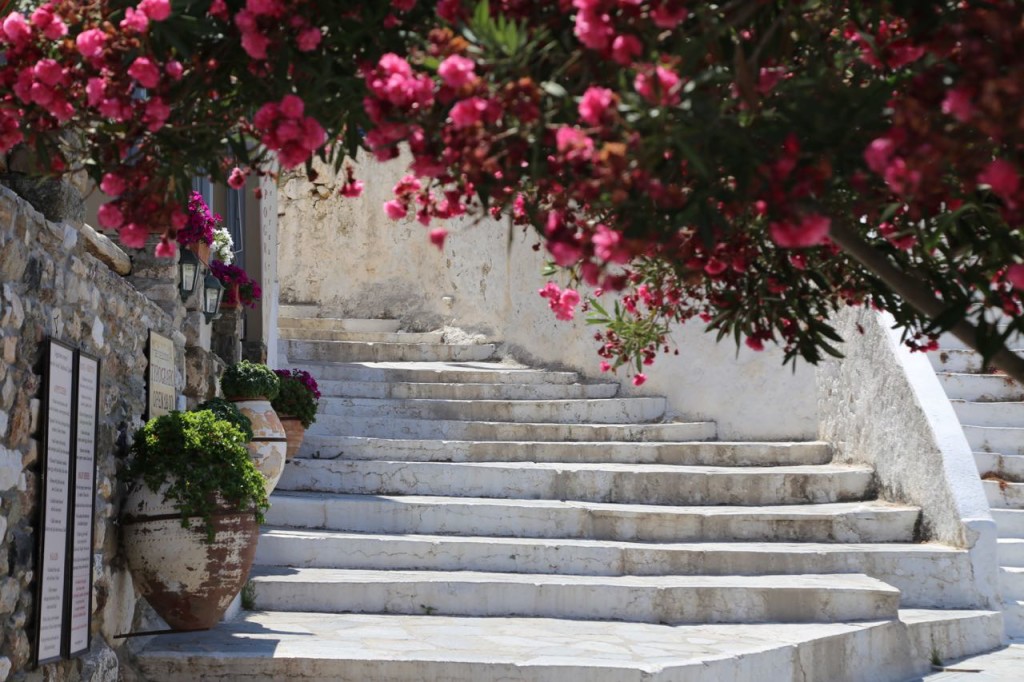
[{"x": 347, "y": 257}]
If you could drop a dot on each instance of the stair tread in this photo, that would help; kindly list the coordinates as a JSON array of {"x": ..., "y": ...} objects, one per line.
[{"x": 617, "y": 467}]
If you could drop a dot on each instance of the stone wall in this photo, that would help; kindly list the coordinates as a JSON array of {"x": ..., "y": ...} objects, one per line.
[
  {"x": 52, "y": 287},
  {"x": 347, "y": 257}
]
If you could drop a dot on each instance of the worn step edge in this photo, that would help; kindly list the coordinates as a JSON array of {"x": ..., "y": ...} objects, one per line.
[{"x": 952, "y": 634}]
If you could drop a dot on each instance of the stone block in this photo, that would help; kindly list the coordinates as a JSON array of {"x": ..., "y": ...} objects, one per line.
[
  {"x": 57, "y": 200},
  {"x": 100, "y": 664},
  {"x": 10, "y": 469},
  {"x": 105, "y": 250},
  {"x": 10, "y": 590}
]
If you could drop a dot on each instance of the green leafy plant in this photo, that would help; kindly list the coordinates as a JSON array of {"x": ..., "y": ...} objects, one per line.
[
  {"x": 228, "y": 412},
  {"x": 299, "y": 396},
  {"x": 248, "y": 380},
  {"x": 204, "y": 463}
]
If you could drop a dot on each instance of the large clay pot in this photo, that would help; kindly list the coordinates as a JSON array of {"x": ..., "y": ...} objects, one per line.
[
  {"x": 269, "y": 441},
  {"x": 188, "y": 581},
  {"x": 296, "y": 434}
]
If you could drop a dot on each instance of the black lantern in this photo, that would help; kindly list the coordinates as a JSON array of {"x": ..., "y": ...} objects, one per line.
[
  {"x": 188, "y": 270},
  {"x": 212, "y": 294}
]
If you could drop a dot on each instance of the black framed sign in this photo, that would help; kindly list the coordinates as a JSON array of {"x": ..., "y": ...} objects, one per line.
[
  {"x": 79, "y": 602},
  {"x": 55, "y": 507},
  {"x": 162, "y": 396}
]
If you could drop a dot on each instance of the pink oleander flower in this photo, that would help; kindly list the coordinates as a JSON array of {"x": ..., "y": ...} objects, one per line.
[
  {"x": 437, "y": 237},
  {"x": 174, "y": 69},
  {"x": 608, "y": 245},
  {"x": 1003, "y": 178},
  {"x": 236, "y": 180},
  {"x": 639, "y": 379},
  {"x": 457, "y": 71},
  {"x": 468, "y": 112},
  {"x": 352, "y": 189},
  {"x": 594, "y": 104},
  {"x": 395, "y": 209},
  {"x": 110, "y": 216},
  {"x": 90, "y": 43},
  {"x": 157, "y": 10},
  {"x": 113, "y": 185},
  {"x": 309, "y": 39},
  {"x": 812, "y": 230},
  {"x": 1015, "y": 275},
  {"x": 156, "y": 114},
  {"x": 16, "y": 29},
  {"x": 878, "y": 154},
  {"x": 135, "y": 21},
  {"x": 133, "y": 235},
  {"x": 145, "y": 71},
  {"x": 626, "y": 49}
]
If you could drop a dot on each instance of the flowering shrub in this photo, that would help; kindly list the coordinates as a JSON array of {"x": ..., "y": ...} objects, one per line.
[
  {"x": 223, "y": 245},
  {"x": 299, "y": 395},
  {"x": 201, "y": 224},
  {"x": 239, "y": 289}
]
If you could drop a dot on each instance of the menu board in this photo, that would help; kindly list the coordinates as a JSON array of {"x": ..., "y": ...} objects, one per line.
[
  {"x": 162, "y": 395},
  {"x": 87, "y": 381},
  {"x": 56, "y": 500}
]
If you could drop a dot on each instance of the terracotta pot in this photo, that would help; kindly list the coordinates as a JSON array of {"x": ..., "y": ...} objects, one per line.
[
  {"x": 269, "y": 440},
  {"x": 187, "y": 581},
  {"x": 296, "y": 434},
  {"x": 202, "y": 252},
  {"x": 228, "y": 300}
]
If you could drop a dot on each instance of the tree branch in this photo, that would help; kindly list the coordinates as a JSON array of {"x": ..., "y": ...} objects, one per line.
[{"x": 918, "y": 295}]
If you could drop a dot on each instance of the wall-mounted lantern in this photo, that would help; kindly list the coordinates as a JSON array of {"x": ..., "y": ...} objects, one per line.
[
  {"x": 212, "y": 294},
  {"x": 188, "y": 271}
]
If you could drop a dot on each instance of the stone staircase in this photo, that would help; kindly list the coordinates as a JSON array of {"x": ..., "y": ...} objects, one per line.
[
  {"x": 457, "y": 517},
  {"x": 991, "y": 410}
]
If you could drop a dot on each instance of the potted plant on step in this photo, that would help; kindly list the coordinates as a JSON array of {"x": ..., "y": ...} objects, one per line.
[
  {"x": 251, "y": 386},
  {"x": 191, "y": 516},
  {"x": 296, "y": 405}
]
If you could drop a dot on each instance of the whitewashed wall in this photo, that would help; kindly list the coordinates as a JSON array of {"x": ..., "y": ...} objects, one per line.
[{"x": 348, "y": 257}]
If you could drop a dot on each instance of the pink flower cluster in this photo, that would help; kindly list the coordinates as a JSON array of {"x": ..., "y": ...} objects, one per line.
[
  {"x": 288, "y": 132},
  {"x": 202, "y": 223},
  {"x": 562, "y": 302},
  {"x": 261, "y": 21},
  {"x": 601, "y": 24}
]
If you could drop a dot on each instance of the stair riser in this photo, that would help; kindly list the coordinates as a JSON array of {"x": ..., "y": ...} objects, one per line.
[
  {"x": 339, "y": 351},
  {"x": 369, "y": 515},
  {"x": 693, "y": 454},
  {"x": 327, "y": 425},
  {"x": 629, "y": 487},
  {"x": 1011, "y": 554},
  {"x": 611, "y": 411},
  {"x": 990, "y": 414},
  {"x": 1004, "y": 495},
  {"x": 337, "y": 324},
  {"x": 949, "y": 342},
  {"x": 482, "y": 373},
  {"x": 735, "y": 604},
  {"x": 459, "y": 391},
  {"x": 956, "y": 361},
  {"x": 1007, "y": 467},
  {"x": 1007, "y": 441},
  {"x": 954, "y": 638},
  {"x": 923, "y": 578},
  {"x": 981, "y": 388},
  {"x": 305, "y": 334},
  {"x": 1013, "y": 616},
  {"x": 1011, "y": 585}
]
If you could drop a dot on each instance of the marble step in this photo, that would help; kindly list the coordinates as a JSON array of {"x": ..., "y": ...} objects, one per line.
[
  {"x": 989, "y": 414},
  {"x": 466, "y": 391},
  {"x": 362, "y": 326},
  {"x": 306, "y": 334},
  {"x": 603, "y": 411},
  {"x": 922, "y": 572},
  {"x": 1004, "y": 495},
  {"x": 981, "y": 387},
  {"x": 1011, "y": 583},
  {"x": 645, "y": 599},
  {"x": 1010, "y": 522},
  {"x": 951, "y": 635},
  {"x": 392, "y": 427},
  {"x": 956, "y": 361},
  {"x": 1007, "y": 467},
  {"x": 317, "y": 647},
  {"x": 1013, "y": 616},
  {"x": 299, "y": 351},
  {"x": 1011, "y": 551},
  {"x": 837, "y": 522},
  {"x": 697, "y": 453},
  {"x": 651, "y": 484},
  {"x": 949, "y": 342},
  {"x": 1003, "y": 439},
  {"x": 437, "y": 372}
]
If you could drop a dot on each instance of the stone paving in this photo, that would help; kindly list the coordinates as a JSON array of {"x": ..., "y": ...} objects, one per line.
[{"x": 1002, "y": 665}]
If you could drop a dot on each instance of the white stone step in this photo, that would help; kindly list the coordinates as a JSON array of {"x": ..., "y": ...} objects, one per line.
[
  {"x": 952, "y": 634},
  {"x": 651, "y": 484},
  {"x": 314, "y": 321},
  {"x": 838, "y": 522},
  {"x": 1008, "y": 467},
  {"x": 1011, "y": 551},
  {"x": 645, "y": 599},
  {"x": 958, "y": 361},
  {"x": 1004, "y": 495},
  {"x": 1010, "y": 522},
  {"x": 305, "y": 334},
  {"x": 1013, "y": 616},
  {"x": 981, "y": 387},
  {"x": 391, "y": 427},
  {"x": 1002, "y": 439},
  {"x": 925, "y": 574},
  {"x": 949, "y": 342},
  {"x": 437, "y": 372},
  {"x": 466, "y": 391},
  {"x": 698, "y": 453},
  {"x": 1011, "y": 583},
  {"x": 989, "y": 414},
  {"x": 316, "y": 647},
  {"x": 353, "y": 351},
  {"x": 594, "y": 411}
]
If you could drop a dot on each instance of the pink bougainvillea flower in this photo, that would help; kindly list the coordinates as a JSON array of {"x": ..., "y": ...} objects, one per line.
[{"x": 457, "y": 71}]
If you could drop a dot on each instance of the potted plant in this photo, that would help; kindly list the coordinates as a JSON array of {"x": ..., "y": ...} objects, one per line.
[
  {"x": 191, "y": 516},
  {"x": 198, "y": 233},
  {"x": 239, "y": 288},
  {"x": 251, "y": 386},
  {"x": 229, "y": 412},
  {"x": 296, "y": 405}
]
